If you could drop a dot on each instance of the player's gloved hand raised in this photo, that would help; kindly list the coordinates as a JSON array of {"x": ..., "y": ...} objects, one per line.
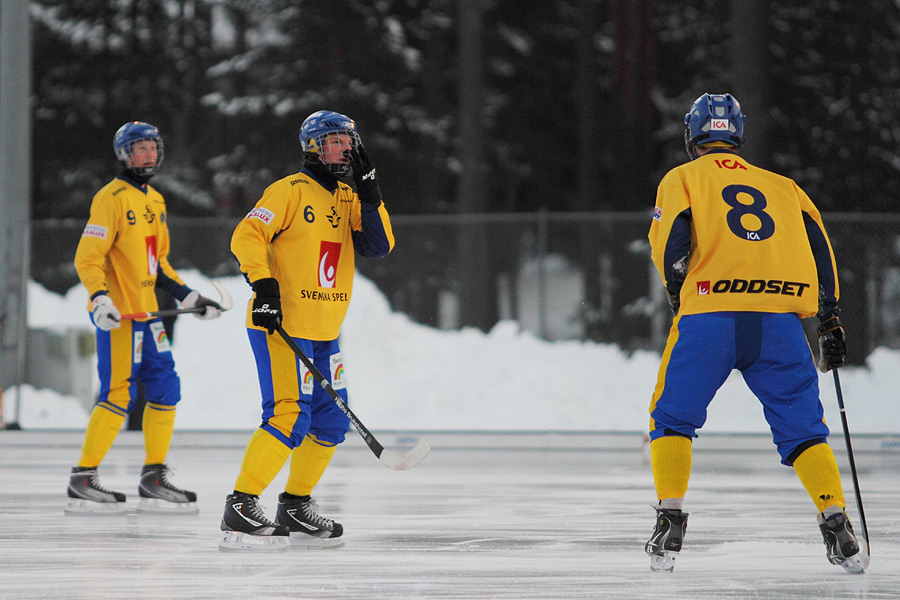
[
  {"x": 195, "y": 300},
  {"x": 266, "y": 310},
  {"x": 106, "y": 315},
  {"x": 832, "y": 347},
  {"x": 364, "y": 175}
]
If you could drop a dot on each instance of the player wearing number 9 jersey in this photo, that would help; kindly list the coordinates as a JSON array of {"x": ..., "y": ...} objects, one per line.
[
  {"x": 122, "y": 257},
  {"x": 744, "y": 256}
]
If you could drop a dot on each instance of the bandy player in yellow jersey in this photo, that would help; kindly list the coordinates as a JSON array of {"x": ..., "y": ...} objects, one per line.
[
  {"x": 123, "y": 255},
  {"x": 297, "y": 249},
  {"x": 744, "y": 256}
]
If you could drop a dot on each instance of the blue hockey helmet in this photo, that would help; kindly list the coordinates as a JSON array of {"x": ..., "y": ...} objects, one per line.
[
  {"x": 713, "y": 118},
  {"x": 316, "y": 128},
  {"x": 127, "y": 136}
]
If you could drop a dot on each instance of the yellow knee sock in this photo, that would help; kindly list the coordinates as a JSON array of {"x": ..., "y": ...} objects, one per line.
[
  {"x": 158, "y": 422},
  {"x": 671, "y": 459},
  {"x": 102, "y": 429},
  {"x": 308, "y": 461},
  {"x": 818, "y": 470},
  {"x": 263, "y": 458}
]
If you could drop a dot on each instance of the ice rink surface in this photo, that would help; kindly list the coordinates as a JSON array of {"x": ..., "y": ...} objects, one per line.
[{"x": 515, "y": 516}]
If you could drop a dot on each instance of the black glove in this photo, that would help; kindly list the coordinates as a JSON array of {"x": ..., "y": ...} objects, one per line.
[
  {"x": 266, "y": 304},
  {"x": 674, "y": 301},
  {"x": 832, "y": 349},
  {"x": 364, "y": 175}
]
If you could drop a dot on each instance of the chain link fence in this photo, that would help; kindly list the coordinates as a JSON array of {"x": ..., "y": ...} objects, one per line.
[{"x": 562, "y": 276}]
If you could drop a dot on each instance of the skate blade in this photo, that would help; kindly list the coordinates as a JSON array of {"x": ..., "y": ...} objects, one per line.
[
  {"x": 663, "y": 563},
  {"x": 80, "y": 507},
  {"x": 235, "y": 541},
  {"x": 163, "y": 507},
  {"x": 856, "y": 564},
  {"x": 304, "y": 540}
]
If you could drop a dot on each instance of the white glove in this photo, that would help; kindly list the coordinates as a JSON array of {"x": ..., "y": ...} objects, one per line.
[
  {"x": 106, "y": 315},
  {"x": 195, "y": 300}
]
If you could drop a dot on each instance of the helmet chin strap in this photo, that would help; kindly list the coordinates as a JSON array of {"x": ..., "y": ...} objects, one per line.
[
  {"x": 140, "y": 178},
  {"x": 337, "y": 169},
  {"x": 321, "y": 171}
]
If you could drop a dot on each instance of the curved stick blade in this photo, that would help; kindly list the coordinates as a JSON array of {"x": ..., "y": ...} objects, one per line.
[
  {"x": 225, "y": 297},
  {"x": 401, "y": 462}
]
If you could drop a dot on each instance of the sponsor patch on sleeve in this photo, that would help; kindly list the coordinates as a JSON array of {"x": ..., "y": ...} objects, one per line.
[
  {"x": 657, "y": 213},
  {"x": 263, "y": 214},
  {"x": 94, "y": 231}
]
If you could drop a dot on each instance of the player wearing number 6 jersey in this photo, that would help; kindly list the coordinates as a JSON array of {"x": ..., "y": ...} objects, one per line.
[
  {"x": 744, "y": 256},
  {"x": 297, "y": 249}
]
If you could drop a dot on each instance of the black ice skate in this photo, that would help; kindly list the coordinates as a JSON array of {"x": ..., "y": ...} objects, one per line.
[
  {"x": 665, "y": 543},
  {"x": 158, "y": 495},
  {"x": 308, "y": 527},
  {"x": 247, "y": 528},
  {"x": 87, "y": 496},
  {"x": 841, "y": 545}
]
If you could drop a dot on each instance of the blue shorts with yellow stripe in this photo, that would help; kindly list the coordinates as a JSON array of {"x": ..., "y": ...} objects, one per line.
[
  {"x": 136, "y": 350},
  {"x": 771, "y": 352},
  {"x": 293, "y": 403}
]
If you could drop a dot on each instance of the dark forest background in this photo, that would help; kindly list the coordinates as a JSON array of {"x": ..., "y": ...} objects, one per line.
[{"x": 465, "y": 105}]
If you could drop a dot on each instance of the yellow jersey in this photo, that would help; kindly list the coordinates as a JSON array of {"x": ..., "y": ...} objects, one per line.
[
  {"x": 755, "y": 241},
  {"x": 124, "y": 248},
  {"x": 305, "y": 236}
]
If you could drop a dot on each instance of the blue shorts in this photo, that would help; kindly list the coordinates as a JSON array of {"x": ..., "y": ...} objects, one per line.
[
  {"x": 136, "y": 350},
  {"x": 293, "y": 403},
  {"x": 771, "y": 352}
]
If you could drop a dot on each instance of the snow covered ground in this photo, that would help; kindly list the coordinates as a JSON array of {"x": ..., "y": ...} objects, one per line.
[{"x": 405, "y": 376}]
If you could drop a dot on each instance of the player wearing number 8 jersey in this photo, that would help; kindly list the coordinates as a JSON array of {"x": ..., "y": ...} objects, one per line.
[
  {"x": 734, "y": 208},
  {"x": 744, "y": 256}
]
